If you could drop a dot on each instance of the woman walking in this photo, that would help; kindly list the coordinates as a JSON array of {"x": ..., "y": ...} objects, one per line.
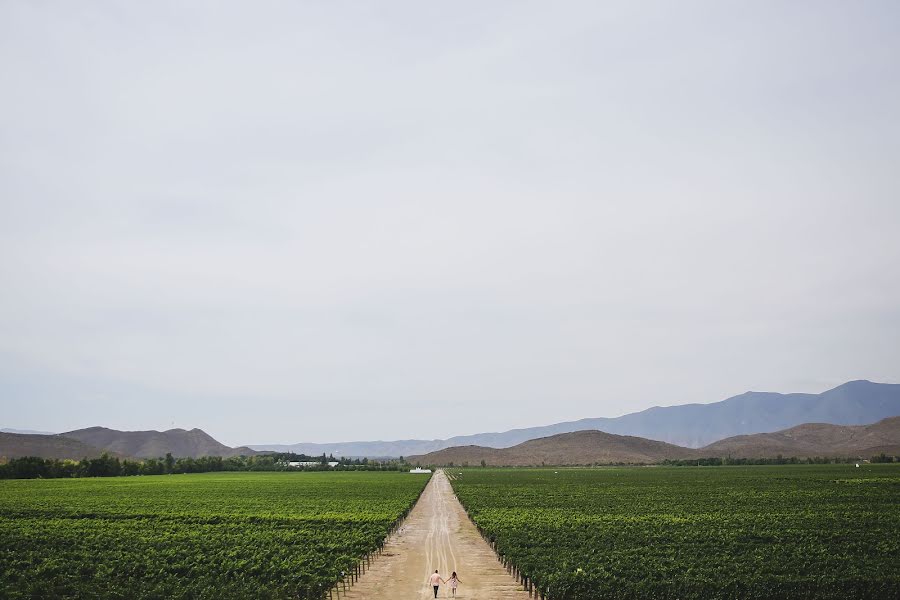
[{"x": 454, "y": 583}]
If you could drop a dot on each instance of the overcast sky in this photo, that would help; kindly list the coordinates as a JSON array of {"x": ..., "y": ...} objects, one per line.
[{"x": 324, "y": 221}]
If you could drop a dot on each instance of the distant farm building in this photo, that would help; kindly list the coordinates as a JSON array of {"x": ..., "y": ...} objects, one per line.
[
  {"x": 311, "y": 463},
  {"x": 418, "y": 470}
]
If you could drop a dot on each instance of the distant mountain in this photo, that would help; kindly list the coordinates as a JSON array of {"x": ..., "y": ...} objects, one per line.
[
  {"x": 577, "y": 448},
  {"x": 15, "y": 445},
  {"x": 814, "y": 439},
  {"x": 153, "y": 444},
  {"x": 377, "y": 449},
  {"x": 691, "y": 425},
  {"x": 30, "y": 431},
  {"x": 596, "y": 447}
]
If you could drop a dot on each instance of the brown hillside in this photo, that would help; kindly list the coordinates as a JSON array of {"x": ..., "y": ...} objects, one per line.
[
  {"x": 16, "y": 445},
  {"x": 154, "y": 444},
  {"x": 813, "y": 439},
  {"x": 577, "y": 448}
]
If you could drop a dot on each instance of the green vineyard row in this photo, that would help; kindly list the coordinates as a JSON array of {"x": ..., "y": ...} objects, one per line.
[
  {"x": 203, "y": 536},
  {"x": 825, "y": 532}
]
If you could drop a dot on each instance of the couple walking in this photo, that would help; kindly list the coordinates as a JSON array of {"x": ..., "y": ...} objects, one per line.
[{"x": 436, "y": 580}]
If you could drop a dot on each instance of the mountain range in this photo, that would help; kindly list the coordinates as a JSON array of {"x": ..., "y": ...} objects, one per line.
[
  {"x": 814, "y": 439},
  {"x": 687, "y": 425},
  {"x": 576, "y": 448},
  {"x": 153, "y": 444},
  {"x": 8, "y": 430},
  {"x": 14, "y": 445},
  {"x": 738, "y": 426},
  {"x": 94, "y": 441},
  {"x": 597, "y": 447}
]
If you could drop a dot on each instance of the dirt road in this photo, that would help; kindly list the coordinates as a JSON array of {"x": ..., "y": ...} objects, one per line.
[{"x": 437, "y": 534}]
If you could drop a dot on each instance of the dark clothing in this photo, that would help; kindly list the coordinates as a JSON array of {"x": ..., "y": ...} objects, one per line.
[{"x": 435, "y": 590}]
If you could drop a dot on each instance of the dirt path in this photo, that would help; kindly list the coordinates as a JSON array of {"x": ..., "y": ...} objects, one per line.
[{"x": 437, "y": 534}]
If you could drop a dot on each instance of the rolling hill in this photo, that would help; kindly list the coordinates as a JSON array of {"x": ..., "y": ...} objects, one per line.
[
  {"x": 576, "y": 448},
  {"x": 16, "y": 445},
  {"x": 690, "y": 425},
  {"x": 153, "y": 444},
  {"x": 593, "y": 447},
  {"x": 814, "y": 439}
]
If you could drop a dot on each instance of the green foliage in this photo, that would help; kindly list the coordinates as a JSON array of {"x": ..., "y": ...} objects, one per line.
[
  {"x": 885, "y": 458},
  {"x": 30, "y": 467},
  {"x": 716, "y": 461},
  {"x": 216, "y": 536},
  {"x": 828, "y": 532}
]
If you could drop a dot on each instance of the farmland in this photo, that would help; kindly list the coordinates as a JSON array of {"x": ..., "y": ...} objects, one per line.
[
  {"x": 236, "y": 535},
  {"x": 829, "y": 531}
]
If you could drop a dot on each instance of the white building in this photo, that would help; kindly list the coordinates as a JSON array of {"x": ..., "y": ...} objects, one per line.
[
  {"x": 419, "y": 470},
  {"x": 316, "y": 463}
]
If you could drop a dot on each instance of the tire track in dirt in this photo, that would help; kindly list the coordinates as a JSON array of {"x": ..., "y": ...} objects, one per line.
[{"x": 437, "y": 534}]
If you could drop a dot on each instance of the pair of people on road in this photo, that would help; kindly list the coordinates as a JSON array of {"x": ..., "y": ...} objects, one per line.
[{"x": 436, "y": 580}]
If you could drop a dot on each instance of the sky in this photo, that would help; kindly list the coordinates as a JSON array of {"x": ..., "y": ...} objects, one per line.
[{"x": 328, "y": 221}]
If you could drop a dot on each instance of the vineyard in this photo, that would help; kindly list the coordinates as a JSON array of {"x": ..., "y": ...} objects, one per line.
[
  {"x": 693, "y": 532},
  {"x": 204, "y": 536}
]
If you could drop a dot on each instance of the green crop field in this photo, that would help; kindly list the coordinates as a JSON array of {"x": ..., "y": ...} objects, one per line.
[
  {"x": 215, "y": 536},
  {"x": 830, "y": 531}
]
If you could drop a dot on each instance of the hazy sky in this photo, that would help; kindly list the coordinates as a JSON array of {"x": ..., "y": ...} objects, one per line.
[{"x": 323, "y": 221}]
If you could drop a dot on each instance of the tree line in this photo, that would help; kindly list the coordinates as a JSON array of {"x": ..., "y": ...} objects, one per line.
[
  {"x": 778, "y": 460},
  {"x": 33, "y": 467}
]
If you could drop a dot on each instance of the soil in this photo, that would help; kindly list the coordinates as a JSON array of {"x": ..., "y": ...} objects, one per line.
[{"x": 437, "y": 534}]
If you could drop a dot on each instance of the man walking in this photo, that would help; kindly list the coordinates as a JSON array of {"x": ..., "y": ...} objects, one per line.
[{"x": 435, "y": 581}]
